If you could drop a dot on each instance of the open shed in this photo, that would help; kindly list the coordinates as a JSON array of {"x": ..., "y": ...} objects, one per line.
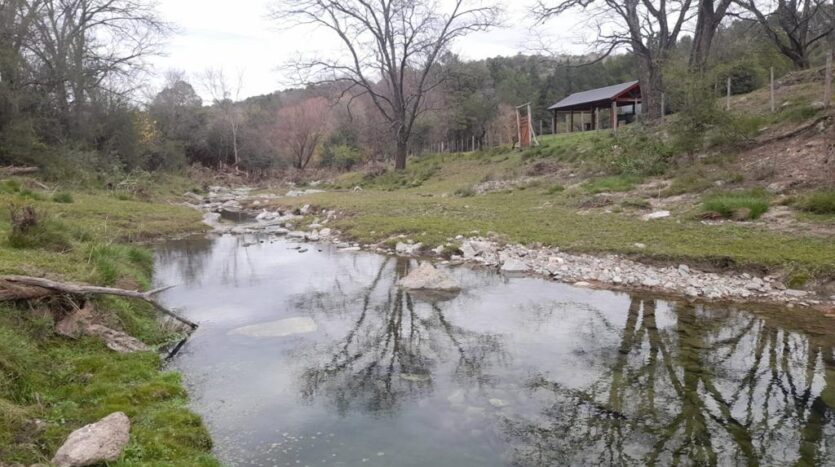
[{"x": 582, "y": 110}]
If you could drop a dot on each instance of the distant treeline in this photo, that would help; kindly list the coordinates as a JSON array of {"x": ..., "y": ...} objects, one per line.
[{"x": 69, "y": 96}]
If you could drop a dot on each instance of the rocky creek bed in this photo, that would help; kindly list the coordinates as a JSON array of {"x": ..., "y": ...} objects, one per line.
[{"x": 611, "y": 271}]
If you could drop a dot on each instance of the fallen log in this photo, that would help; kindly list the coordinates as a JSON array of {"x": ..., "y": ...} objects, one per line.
[
  {"x": 27, "y": 287},
  {"x": 17, "y": 170}
]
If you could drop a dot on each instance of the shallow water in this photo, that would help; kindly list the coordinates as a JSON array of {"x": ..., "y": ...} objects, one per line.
[{"x": 317, "y": 358}]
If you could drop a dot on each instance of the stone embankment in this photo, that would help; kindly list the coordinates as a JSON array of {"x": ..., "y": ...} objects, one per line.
[{"x": 597, "y": 271}]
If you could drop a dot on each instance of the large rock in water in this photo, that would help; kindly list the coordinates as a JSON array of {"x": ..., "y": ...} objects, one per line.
[
  {"x": 95, "y": 443},
  {"x": 427, "y": 277}
]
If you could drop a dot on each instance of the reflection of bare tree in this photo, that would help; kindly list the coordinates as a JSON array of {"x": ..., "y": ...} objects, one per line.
[
  {"x": 717, "y": 388},
  {"x": 392, "y": 348},
  {"x": 188, "y": 256}
]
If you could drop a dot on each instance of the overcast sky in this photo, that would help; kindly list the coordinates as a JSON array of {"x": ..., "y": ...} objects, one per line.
[{"x": 238, "y": 36}]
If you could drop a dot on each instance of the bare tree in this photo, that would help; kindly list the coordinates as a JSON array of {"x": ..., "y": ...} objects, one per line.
[
  {"x": 796, "y": 27},
  {"x": 649, "y": 28},
  {"x": 710, "y": 16},
  {"x": 391, "y": 50},
  {"x": 225, "y": 96},
  {"x": 84, "y": 48},
  {"x": 300, "y": 128}
]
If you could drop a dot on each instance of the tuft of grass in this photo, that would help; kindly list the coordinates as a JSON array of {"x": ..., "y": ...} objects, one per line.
[
  {"x": 63, "y": 197},
  {"x": 818, "y": 202},
  {"x": 465, "y": 192},
  {"x": 616, "y": 183},
  {"x": 10, "y": 186},
  {"x": 32, "y": 229},
  {"x": 741, "y": 205},
  {"x": 32, "y": 195},
  {"x": 556, "y": 189}
]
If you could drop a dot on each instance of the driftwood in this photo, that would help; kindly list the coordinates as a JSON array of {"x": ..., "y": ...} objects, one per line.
[
  {"x": 17, "y": 170},
  {"x": 26, "y": 287}
]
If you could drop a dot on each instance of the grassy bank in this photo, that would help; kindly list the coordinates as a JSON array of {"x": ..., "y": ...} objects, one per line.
[
  {"x": 50, "y": 385},
  {"x": 573, "y": 207}
]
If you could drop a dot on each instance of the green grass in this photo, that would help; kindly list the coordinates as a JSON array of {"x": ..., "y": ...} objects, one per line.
[
  {"x": 818, "y": 202},
  {"x": 63, "y": 197},
  {"x": 742, "y": 205},
  {"x": 432, "y": 214},
  {"x": 69, "y": 383}
]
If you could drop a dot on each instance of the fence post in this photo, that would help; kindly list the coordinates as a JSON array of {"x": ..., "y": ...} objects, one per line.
[
  {"x": 663, "y": 107},
  {"x": 772, "y": 89},
  {"x": 728, "y": 98},
  {"x": 827, "y": 92}
]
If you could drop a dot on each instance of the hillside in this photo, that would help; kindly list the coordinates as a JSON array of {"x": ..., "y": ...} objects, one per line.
[{"x": 761, "y": 198}]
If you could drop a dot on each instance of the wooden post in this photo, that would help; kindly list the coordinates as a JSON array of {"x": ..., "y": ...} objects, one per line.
[
  {"x": 597, "y": 118},
  {"x": 614, "y": 116},
  {"x": 772, "y": 89},
  {"x": 728, "y": 98},
  {"x": 571, "y": 122},
  {"x": 663, "y": 107},
  {"x": 472, "y": 144},
  {"x": 827, "y": 92},
  {"x": 518, "y": 128},
  {"x": 554, "y": 122}
]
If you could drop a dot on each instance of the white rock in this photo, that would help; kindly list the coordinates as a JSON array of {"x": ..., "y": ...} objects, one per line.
[
  {"x": 280, "y": 328},
  {"x": 427, "y": 277},
  {"x": 582, "y": 284},
  {"x": 407, "y": 248},
  {"x": 498, "y": 403},
  {"x": 656, "y": 215},
  {"x": 95, "y": 443},
  {"x": 515, "y": 265},
  {"x": 325, "y": 233}
]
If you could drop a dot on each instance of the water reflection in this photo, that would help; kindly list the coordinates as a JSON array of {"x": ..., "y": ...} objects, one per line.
[
  {"x": 511, "y": 372},
  {"x": 392, "y": 349},
  {"x": 716, "y": 388}
]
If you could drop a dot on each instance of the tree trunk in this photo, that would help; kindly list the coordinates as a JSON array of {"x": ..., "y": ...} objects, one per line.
[
  {"x": 651, "y": 88},
  {"x": 400, "y": 154}
]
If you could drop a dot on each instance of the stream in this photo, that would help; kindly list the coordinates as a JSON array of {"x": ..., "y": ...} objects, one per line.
[{"x": 311, "y": 356}]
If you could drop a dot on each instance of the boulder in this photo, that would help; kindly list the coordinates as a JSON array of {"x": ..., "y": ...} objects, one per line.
[
  {"x": 427, "y": 277},
  {"x": 96, "y": 443}
]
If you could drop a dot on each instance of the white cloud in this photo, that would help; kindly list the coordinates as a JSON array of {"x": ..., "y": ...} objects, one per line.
[{"x": 239, "y": 36}]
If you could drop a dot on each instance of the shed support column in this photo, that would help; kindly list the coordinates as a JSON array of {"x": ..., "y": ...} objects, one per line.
[
  {"x": 571, "y": 122},
  {"x": 614, "y": 116},
  {"x": 597, "y": 118}
]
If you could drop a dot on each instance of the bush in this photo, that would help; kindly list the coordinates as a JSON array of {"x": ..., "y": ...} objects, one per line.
[
  {"x": 737, "y": 205},
  {"x": 30, "y": 229},
  {"x": 341, "y": 157},
  {"x": 819, "y": 202},
  {"x": 63, "y": 197}
]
